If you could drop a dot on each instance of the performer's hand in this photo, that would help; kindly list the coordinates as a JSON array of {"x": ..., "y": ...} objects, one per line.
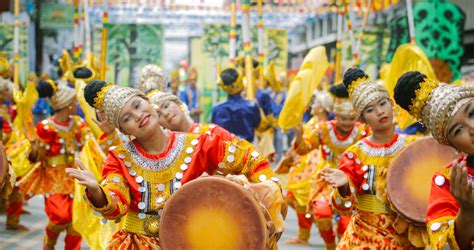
[
  {"x": 84, "y": 177},
  {"x": 299, "y": 133},
  {"x": 103, "y": 124},
  {"x": 335, "y": 177},
  {"x": 461, "y": 186}
]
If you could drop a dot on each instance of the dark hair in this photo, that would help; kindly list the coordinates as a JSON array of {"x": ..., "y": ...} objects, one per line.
[
  {"x": 45, "y": 89},
  {"x": 1, "y": 123},
  {"x": 229, "y": 76},
  {"x": 405, "y": 90},
  {"x": 91, "y": 90},
  {"x": 353, "y": 74},
  {"x": 82, "y": 73},
  {"x": 339, "y": 91}
]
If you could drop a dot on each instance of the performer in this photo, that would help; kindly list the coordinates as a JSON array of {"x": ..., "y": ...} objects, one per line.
[
  {"x": 278, "y": 97},
  {"x": 301, "y": 169},
  {"x": 141, "y": 175},
  {"x": 190, "y": 96},
  {"x": 448, "y": 113},
  {"x": 361, "y": 178},
  {"x": 332, "y": 138},
  {"x": 14, "y": 206},
  {"x": 237, "y": 115},
  {"x": 174, "y": 82},
  {"x": 7, "y": 176},
  {"x": 173, "y": 113},
  {"x": 60, "y": 137}
]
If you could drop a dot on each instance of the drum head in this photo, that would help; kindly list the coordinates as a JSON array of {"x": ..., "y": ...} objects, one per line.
[
  {"x": 212, "y": 213},
  {"x": 409, "y": 177}
]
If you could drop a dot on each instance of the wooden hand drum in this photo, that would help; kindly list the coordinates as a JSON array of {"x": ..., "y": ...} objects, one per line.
[
  {"x": 213, "y": 213},
  {"x": 409, "y": 177}
]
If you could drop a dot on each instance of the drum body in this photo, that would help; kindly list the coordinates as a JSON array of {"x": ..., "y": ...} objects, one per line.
[
  {"x": 409, "y": 177},
  {"x": 215, "y": 213}
]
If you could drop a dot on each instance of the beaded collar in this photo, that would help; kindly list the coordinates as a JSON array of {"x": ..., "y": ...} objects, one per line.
[{"x": 157, "y": 164}]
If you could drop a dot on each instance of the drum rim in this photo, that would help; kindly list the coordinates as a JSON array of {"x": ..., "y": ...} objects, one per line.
[
  {"x": 417, "y": 221},
  {"x": 219, "y": 179}
]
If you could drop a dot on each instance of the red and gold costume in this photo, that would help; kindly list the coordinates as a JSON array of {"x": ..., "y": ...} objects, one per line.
[
  {"x": 435, "y": 104},
  {"x": 137, "y": 184},
  {"x": 326, "y": 137},
  {"x": 373, "y": 223},
  {"x": 201, "y": 128},
  {"x": 443, "y": 209},
  {"x": 59, "y": 142}
]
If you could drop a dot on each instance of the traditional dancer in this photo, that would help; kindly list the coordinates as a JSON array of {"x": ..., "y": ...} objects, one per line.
[
  {"x": 448, "y": 113},
  {"x": 332, "y": 138},
  {"x": 190, "y": 96},
  {"x": 302, "y": 169},
  {"x": 141, "y": 175},
  {"x": 173, "y": 113},
  {"x": 60, "y": 138},
  {"x": 361, "y": 178},
  {"x": 237, "y": 115}
]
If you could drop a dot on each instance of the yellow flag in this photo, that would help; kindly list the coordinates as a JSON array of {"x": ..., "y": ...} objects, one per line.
[
  {"x": 408, "y": 57},
  {"x": 307, "y": 79}
]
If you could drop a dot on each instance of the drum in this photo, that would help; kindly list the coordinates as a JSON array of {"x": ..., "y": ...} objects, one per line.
[
  {"x": 216, "y": 213},
  {"x": 409, "y": 177}
]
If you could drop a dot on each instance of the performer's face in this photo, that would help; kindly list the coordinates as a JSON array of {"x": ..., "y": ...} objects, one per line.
[
  {"x": 138, "y": 118},
  {"x": 171, "y": 116},
  {"x": 379, "y": 114},
  {"x": 5, "y": 95},
  {"x": 461, "y": 129},
  {"x": 345, "y": 123},
  {"x": 316, "y": 108}
]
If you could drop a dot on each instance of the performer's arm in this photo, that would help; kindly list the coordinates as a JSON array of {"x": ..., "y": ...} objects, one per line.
[
  {"x": 461, "y": 189},
  {"x": 111, "y": 198},
  {"x": 237, "y": 156},
  {"x": 306, "y": 139}
]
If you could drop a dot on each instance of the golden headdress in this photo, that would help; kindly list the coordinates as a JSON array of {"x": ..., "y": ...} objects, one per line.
[
  {"x": 174, "y": 75},
  {"x": 342, "y": 103},
  {"x": 431, "y": 102},
  {"x": 152, "y": 78},
  {"x": 234, "y": 87},
  {"x": 5, "y": 66},
  {"x": 193, "y": 74},
  {"x": 6, "y": 85},
  {"x": 110, "y": 98},
  {"x": 325, "y": 100},
  {"x": 271, "y": 77},
  {"x": 60, "y": 95},
  {"x": 157, "y": 98},
  {"x": 362, "y": 90}
]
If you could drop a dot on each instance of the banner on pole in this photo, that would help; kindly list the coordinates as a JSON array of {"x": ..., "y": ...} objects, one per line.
[{"x": 57, "y": 16}]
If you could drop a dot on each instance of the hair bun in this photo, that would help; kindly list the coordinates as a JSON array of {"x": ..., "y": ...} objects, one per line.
[
  {"x": 46, "y": 88},
  {"x": 351, "y": 75},
  {"x": 406, "y": 87},
  {"x": 82, "y": 73},
  {"x": 229, "y": 76},
  {"x": 91, "y": 90},
  {"x": 339, "y": 91}
]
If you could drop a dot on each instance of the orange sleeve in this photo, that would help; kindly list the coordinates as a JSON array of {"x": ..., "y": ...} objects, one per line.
[
  {"x": 311, "y": 140},
  {"x": 345, "y": 204},
  {"x": 49, "y": 139},
  {"x": 115, "y": 188},
  {"x": 236, "y": 156},
  {"x": 442, "y": 211},
  {"x": 222, "y": 132}
]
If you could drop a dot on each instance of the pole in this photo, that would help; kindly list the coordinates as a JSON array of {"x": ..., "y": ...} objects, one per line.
[
  {"x": 16, "y": 44},
  {"x": 103, "y": 57},
  {"x": 251, "y": 88},
  {"x": 232, "y": 32},
  {"x": 261, "y": 52}
]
